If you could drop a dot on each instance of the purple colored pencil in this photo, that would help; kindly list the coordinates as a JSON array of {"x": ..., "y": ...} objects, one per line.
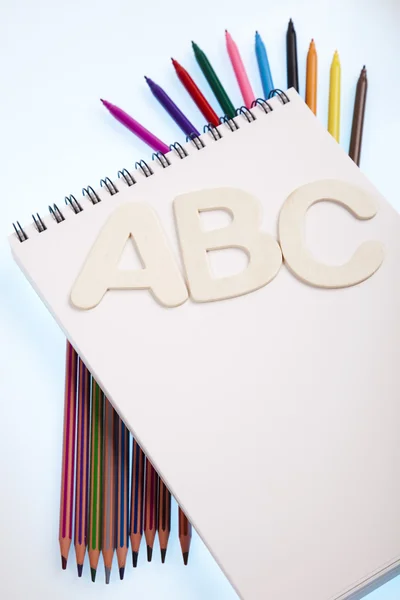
[
  {"x": 130, "y": 123},
  {"x": 171, "y": 108}
]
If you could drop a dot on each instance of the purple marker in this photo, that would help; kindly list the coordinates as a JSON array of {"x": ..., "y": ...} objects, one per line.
[
  {"x": 171, "y": 108},
  {"x": 144, "y": 134}
]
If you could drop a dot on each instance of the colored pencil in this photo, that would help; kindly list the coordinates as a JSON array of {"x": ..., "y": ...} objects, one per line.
[
  {"x": 135, "y": 127},
  {"x": 185, "y": 535},
  {"x": 82, "y": 466},
  {"x": 123, "y": 495},
  {"x": 214, "y": 81},
  {"x": 263, "y": 66},
  {"x": 291, "y": 57},
  {"x": 312, "y": 78},
  {"x": 358, "y": 117},
  {"x": 109, "y": 487},
  {"x": 239, "y": 69},
  {"x": 137, "y": 498},
  {"x": 172, "y": 109},
  {"x": 68, "y": 456},
  {"x": 96, "y": 478},
  {"x": 150, "y": 508},
  {"x": 334, "y": 98},
  {"x": 164, "y": 518},
  {"x": 196, "y": 94}
]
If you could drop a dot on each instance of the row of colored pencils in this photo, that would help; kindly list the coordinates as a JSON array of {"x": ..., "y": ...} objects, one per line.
[
  {"x": 106, "y": 502},
  {"x": 248, "y": 95}
]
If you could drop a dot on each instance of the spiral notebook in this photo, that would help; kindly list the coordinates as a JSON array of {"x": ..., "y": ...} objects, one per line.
[{"x": 273, "y": 414}]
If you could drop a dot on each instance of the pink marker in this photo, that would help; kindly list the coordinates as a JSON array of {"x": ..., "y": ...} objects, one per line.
[
  {"x": 240, "y": 71},
  {"x": 130, "y": 123}
]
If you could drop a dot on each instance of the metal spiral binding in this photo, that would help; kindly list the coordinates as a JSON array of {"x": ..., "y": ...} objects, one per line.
[
  {"x": 56, "y": 213},
  {"x": 214, "y": 132},
  {"x": 144, "y": 167},
  {"x": 162, "y": 159},
  {"x": 243, "y": 110},
  {"x": 196, "y": 140},
  {"x": 129, "y": 180},
  {"x": 233, "y": 126}
]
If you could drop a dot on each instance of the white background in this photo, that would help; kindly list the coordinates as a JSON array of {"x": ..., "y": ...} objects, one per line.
[{"x": 57, "y": 59}]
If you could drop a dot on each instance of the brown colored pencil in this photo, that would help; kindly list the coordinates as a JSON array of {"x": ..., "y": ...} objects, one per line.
[
  {"x": 137, "y": 500},
  {"x": 150, "y": 507},
  {"x": 164, "y": 518},
  {"x": 312, "y": 78},
  {"x": 358, "y": 117},
  {"x": 82, "y": 466},
  {"x": 68, "y": 457},
  {"x": 109, "y": 488},
  {"x": 185, "y": 535}
]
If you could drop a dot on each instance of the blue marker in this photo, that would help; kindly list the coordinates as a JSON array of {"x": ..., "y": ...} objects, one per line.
[{"x": 263, "y": 65}]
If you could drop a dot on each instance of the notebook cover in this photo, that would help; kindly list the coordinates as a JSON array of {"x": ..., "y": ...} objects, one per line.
[{"x": 273, "y": 417}]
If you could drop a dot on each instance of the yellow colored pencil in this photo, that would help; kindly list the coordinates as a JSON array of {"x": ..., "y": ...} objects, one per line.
[{"x": 334, "y": 98}]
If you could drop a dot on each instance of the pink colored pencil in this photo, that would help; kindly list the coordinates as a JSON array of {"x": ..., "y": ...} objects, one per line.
[
  {"x": 109, "y": 488},
  {"x": 122, "y": 495},
  {"x": 141, "y": 132},
  {"x": 82, "y": 466},
  {"x": 68, "y": 458},
  {"x": 240, "y": 71}
]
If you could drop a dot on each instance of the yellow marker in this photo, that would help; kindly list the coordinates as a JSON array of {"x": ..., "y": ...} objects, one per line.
[{"x": 334, "y": 98}]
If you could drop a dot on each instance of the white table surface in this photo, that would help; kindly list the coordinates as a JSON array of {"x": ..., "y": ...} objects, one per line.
[{"x": 57, "y": 59}]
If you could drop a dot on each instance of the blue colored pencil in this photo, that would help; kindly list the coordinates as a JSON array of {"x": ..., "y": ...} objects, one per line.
[{"x": 263, "y": 65}]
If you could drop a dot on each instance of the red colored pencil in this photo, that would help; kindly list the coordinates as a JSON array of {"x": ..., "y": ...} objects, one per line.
[
  {"x": 68, "y": 459},
  {"x": 193, "y": 90}
]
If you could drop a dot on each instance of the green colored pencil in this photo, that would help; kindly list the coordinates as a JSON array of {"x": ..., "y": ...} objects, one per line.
[
  {"x": 214, "y": 82},
  {"x": 96, "y": 478}
]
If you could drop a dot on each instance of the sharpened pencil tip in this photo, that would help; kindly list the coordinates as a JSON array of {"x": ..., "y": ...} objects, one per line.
[
  {"x": 93, "y": 574},
  {"x": 185, "y": 558},
  {"x": 121, "y": 573},
  {"x": 108, "y": 574},
  {"x": 146, "y": 78},
  {"x": 80, "y": 569},
  {"x": 63, "y": 563},
  {"x": 163, "y": 554},
  {"x": 135, "y": 556},
  {"x": 149, "y": 553}
]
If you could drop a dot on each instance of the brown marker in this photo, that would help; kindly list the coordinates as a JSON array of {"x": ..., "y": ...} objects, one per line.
[{"x": 358, "y": 117}]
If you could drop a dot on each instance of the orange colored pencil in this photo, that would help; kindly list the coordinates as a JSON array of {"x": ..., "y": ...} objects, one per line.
[
  {"x": 164, "y": 518},
  {"x": 122, "y": 495},
  {"x": 68, "y": 457},
  {"x": 96, "y": 478},
  {"x": 137, "y": 500},
  {"x": 82, "y": 466},
  {"x": 109, "y": 488},
  {"x": 185, "y": 535},
  {"x": 150, "y": 507},
  {"x": 312, "y": 78}
]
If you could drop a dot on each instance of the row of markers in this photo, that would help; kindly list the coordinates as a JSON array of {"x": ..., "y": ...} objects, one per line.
[
  {"x": 249, "y": 98},
  {"x": 108, "y": 500},
  {"x": 110, "y": 493}
]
